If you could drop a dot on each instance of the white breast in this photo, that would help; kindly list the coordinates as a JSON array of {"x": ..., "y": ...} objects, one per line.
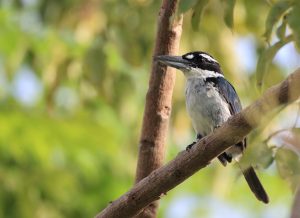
[{"x": 206, "y": 108}]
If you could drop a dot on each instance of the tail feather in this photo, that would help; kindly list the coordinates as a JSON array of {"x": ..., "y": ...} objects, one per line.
[{"x": 255, "y": 185}]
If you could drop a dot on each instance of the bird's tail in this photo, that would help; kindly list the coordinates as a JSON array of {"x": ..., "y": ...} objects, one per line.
[{"x": 255, "y": 185}]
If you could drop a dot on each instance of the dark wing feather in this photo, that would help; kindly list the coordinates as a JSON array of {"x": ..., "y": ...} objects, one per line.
[{"x": 228, "y": 93}]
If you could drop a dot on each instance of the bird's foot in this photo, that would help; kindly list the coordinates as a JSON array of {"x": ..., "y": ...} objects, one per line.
[
  {"x": 199, "y": 136},
  {"x": 190, "y": 146}
]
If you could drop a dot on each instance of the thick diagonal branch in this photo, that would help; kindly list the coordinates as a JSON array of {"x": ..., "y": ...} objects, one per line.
[
  {"x": 189, "y": 162},
  {"x": 158, "y": 100}
]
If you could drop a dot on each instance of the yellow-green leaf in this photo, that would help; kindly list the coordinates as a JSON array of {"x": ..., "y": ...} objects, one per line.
[
  {"x": 259, "y": 154},
  {"x": 228, "y": 13},
  {"x": 274, "y": 15},
  {"x": 288, "y": 166},
  {"x": 281, "y": 30},
  {"x": 185, "y": 5},
  {"x": 198, "y": 10},
  {"x": 266, "y": 58},
  {"x": 293, "y": 21}
]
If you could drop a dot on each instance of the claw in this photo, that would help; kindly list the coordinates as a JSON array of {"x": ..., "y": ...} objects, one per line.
[{"x": 190, "y": 146}]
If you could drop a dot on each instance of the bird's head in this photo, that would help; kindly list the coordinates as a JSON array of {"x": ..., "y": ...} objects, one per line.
[{"x": 193, "y": 64}]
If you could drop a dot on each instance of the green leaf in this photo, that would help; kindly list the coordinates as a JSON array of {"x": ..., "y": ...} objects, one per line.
[
  {"x": 281, "y": 30},
  {"x": 293, "y": 21},
  {"x": 259, "y": 154},
  {"x": 198, "y": 10},
  {"x": 274, "y": 15},
  {"x": 288, "y": 166},
  {"x": 228, "y": 14},
  {"x": 185, "y": 5},
  {"x": 264, "y": 156},
  {"x": 294, "y": 182},
  {"x": 266, "y": 58}
]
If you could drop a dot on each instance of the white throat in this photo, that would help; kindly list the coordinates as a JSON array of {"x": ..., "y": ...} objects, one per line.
[{"x": 199, "y": 73}]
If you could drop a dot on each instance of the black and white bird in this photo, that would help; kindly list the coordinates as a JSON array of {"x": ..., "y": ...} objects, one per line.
[{"x": 210, "y": 101}]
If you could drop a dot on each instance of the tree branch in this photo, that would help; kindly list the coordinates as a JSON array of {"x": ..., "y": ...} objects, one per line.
[
  {"x": 189, "y": 162},
  {"x": 158, "y": 100}
]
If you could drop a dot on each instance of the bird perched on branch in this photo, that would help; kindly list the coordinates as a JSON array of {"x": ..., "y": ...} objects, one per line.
[{"x": 210, "y": 101}]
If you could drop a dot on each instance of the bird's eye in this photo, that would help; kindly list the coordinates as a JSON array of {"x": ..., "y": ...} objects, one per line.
[{"x": 189, "y": 56}]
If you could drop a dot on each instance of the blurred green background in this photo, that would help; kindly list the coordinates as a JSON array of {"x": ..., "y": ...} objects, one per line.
[{"x": 73, "y": 80}]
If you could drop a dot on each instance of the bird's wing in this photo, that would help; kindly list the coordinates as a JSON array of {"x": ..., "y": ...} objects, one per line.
[{"x": 227, "y": 92}]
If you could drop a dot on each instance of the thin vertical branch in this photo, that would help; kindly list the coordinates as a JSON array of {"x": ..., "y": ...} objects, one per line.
[{"x": 158, "y": 100}]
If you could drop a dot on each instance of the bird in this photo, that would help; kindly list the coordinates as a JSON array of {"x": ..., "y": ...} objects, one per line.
[{"x": 210, "y": 101}]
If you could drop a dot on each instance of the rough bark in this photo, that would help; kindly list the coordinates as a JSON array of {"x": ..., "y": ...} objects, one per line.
[
  {"x": 189, "y": 162},
  {"x": 295, "y": 213},
  {"x": 158, "y": 99}
]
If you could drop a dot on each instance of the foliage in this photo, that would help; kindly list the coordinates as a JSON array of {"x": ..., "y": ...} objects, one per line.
[
  {"x": 199, "y": 7},
  {"x": 266, "y": 58}
]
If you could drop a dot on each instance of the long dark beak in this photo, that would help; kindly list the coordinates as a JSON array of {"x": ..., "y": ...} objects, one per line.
[{"x": 173, "y": 61}]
